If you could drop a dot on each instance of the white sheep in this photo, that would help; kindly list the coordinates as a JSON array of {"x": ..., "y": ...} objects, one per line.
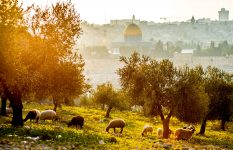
[
  {"x": 37, "y": 112},
  {"x": 116, "y": 123},
  {"x": 48, "y": 115},
  {"x": 160, "y": 132},
  {"x": 146, "y": 129},
  {"x": 184, "y": 134}
]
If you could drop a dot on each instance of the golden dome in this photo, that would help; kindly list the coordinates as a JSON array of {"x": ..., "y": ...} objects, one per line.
[{"x": 132, "y": 30}]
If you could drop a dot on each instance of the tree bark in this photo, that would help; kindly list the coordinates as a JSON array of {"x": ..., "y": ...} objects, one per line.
[
  {"x": 17, "y": 115},
  {"x": 223, "y": 122},
  {"x": 108, "y": 112},
  {"x": 203, "y": 126},
  {"x": 10, "y": 105},
  {"x": 103, "y": 106},
  {"x": 166, "y": 128},
  {"x": 15, "y": 99},
  {"x": 60, "y": 106},
  {"x": 165, "y": 121},
  {"x": 55, "y": 105},
  {"x": 3, "y": 107}
]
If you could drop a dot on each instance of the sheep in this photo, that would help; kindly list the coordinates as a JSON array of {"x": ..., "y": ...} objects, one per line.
[
  {"x": 116, "y": 123},
  {"x": 78, "y": 120},
  {"x": 33, "y": 115},
  {"x": 146, "y": 129},
  {"x": 160, "y": 132},
  {"x": 48, "y": 115},
  {"x": 184, "y": 134}
]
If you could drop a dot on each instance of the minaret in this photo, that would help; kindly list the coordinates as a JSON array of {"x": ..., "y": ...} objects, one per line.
[{"x": 133, "y": 19}]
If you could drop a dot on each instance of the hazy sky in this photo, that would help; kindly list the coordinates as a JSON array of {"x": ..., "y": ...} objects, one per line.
[{"x": 101, "y": 11}]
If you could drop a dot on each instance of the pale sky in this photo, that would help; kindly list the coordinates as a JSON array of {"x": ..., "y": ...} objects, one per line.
[{"x": 102, "y": 11}]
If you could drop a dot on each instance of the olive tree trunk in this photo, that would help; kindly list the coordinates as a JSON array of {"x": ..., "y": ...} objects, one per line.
[
  {"x": 103, "y": 106},
  {"x": 108, "y": 112},
  {"x": 3, "y": 107},
  {"x": 165, "y": 121},
  {"x": 17, "y": 113},
  {"x": 55, "y": 103},
  {"x": 166, "y": 128},
  {"x": 223, "y": 122},
  {"x": 16, "y": 101},
  {"x": 203, "y": 126}
]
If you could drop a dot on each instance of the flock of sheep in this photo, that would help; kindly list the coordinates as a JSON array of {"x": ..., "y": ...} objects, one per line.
[
  {"x": 184, "y": 133},
  {"x": 52, "y": 115}
]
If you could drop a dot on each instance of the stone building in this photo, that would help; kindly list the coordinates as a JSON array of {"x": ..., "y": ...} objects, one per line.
[
  {"x": 132, "y": 42},
  {"x": 223, "y": 15}
]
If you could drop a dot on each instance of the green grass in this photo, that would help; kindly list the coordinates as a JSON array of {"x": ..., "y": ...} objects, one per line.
[{"x": 58, "y": 135}]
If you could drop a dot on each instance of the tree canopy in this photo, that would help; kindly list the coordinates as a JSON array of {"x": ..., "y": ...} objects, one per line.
[
  {"x": 105, "y": 94},
  {"x": 58, "y": 27},
  {"x": 15, "y": 77},
  {"x": 37, "y": 54},
  {"x": 219, "y": 87},
  {"x": 164, "y": 90}
]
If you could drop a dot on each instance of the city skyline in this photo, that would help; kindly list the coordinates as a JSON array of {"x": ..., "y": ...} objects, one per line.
[{"x": 102, "y": 11}]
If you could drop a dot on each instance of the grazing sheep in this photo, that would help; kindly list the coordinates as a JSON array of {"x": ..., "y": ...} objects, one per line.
[
  {"x": 146, "y": 129},
  {"x": 78, "y": 120},
  {"x": 116, "y": 123},
  {"x": 184, "y": 134},
  {"x": 160, "y": 132},
  {"x": 48, "y": 115},
  {"x": 33, "y": 115}
]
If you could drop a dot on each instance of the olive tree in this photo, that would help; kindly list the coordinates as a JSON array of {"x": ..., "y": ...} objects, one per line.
[
  {"x": 105, "y": 94},
  {"x": 218, "y": 86},
  {"x": 15, "y": 76},
  {"x": 62, "y": 67},
  {"x": 192, "y": 100},
  {"x": 163, "y": 89},
  {"x": 37, "y": 54}
]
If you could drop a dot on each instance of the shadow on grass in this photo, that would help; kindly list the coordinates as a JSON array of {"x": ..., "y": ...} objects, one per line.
[
  {"x": 207, "y": 140},
  {"x": 78, "y": 139}
]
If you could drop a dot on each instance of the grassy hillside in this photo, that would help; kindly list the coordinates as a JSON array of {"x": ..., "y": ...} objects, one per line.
[{"x": 48, "y": 134}]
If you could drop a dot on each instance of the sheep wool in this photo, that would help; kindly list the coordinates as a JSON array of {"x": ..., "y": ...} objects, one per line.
[
  {"x": 78, "y": 120},
  {"x": 160, "y": 132},
  {"x": 116, "y": 123},
  {"x": 37, "y": 112},
  {"x": 183, "y": 134},
  {"x": 48, "y": 115},
  {"x": 146, "y": 129}
]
